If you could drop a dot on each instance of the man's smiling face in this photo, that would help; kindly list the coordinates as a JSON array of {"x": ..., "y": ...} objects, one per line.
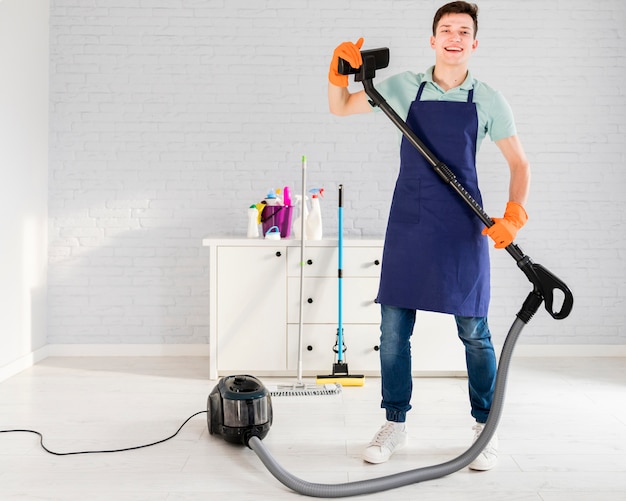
[{"x": 454, "y": 40}]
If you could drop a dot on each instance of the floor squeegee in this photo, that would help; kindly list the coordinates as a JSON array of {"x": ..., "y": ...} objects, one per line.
[{"x": 340, "y": 372}]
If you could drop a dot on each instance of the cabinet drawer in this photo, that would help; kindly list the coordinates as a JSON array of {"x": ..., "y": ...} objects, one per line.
[
  {"x": 362, "y": 261},
  {"x": 324, "y": 261},
  {"x": 318, "y": 261},
  {"x": 318, "y": 343},
  {"x": 435, "y": 347},
  {"x": 321, "y": 304}
]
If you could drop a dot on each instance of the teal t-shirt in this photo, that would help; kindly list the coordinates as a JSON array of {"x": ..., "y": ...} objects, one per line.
[{"x": 495, "y": 116}]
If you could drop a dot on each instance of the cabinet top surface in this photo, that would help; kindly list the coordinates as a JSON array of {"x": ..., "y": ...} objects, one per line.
[{"x": 289, "y": 242}]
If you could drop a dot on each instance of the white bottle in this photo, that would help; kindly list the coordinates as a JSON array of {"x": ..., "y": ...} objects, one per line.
[
  {"x": 303, "y": 212},
  {"x": 314, "y": 220},
  {"x": 253, "y": 223}
]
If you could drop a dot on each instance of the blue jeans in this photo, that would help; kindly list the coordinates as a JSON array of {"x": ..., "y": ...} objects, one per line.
[{"x": 395, "y": 362}]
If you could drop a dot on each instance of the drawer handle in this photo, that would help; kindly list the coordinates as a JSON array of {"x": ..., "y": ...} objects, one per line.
[
  {"x": 278, "y": 254},
  {"x": 309, "y": 348},
  {"x": 376, "y": 348},
  {"x": 376, "y": 262},
  {"x": 310, "y": 300},
  {"x": 309, "y": 261}
]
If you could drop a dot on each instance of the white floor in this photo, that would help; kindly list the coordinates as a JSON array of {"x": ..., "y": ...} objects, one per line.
[{"x": 562, "y": 435}]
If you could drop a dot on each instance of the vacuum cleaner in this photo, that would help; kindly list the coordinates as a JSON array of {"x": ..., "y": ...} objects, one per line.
[{"x": 239, "y": 407}]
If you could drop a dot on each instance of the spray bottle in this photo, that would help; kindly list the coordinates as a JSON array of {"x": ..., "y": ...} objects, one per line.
[
  {"x": 314, "y": 219},
  {"x": 302, "y": 213}
]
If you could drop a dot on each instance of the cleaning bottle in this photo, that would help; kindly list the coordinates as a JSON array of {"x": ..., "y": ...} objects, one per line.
[
  {"x": 303, "y": 213},
  {"x": 287, "y": 196},
  {"x": 314, "y": 219},
  {"x": 253, "y": 225}
]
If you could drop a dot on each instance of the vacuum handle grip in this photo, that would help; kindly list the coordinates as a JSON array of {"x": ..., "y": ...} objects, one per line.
[
  {"x": 546, "y": 284},
  {"x": 549, "y": 284}
]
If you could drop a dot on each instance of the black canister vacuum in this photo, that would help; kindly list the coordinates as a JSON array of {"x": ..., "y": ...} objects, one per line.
[{"x": 239, "y": 407}]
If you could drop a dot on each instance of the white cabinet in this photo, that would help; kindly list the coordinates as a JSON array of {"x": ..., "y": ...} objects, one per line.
[{"x": 254, "y": 311}]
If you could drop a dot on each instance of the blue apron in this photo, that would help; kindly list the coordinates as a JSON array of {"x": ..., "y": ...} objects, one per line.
[{"x": 435, "y": 257}]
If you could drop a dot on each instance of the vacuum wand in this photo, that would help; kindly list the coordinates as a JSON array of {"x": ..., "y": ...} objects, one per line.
[{"x": 545, "y": 283}]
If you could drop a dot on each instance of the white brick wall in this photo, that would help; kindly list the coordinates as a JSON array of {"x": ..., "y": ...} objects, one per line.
[{"x": 170, "y": 117}]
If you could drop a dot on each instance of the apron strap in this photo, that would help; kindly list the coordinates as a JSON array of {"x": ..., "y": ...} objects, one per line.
[
  {"x": 419, "y": 92},
  {"x": 470, "y": 95}
]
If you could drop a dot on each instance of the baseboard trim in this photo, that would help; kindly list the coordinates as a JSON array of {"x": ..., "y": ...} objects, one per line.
[
  {"x": 23, "y": 363},
  {"x": 128, "y": 350},
  {"x": 102, "y": 350},
  {"x": 202, "y": 350}
]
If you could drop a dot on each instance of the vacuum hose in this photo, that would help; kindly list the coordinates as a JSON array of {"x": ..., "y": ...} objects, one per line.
[{"x": 411, "y": 476}]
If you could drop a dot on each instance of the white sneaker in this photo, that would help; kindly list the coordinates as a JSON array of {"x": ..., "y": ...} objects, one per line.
[
  {"x": 488, "y": 458},
  {"x": 390, "y": 438}
]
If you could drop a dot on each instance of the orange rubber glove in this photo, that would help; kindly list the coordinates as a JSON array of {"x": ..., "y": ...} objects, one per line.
[
  {"x": 350, "y": 52},
  {"x": 505, "y": 228}
]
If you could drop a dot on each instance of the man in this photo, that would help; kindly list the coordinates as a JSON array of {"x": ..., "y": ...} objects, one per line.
[{"x": 436, "y": 257}]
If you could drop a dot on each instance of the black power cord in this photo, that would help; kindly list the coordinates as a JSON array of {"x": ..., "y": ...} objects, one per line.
[{"x": 104, "y": 451}]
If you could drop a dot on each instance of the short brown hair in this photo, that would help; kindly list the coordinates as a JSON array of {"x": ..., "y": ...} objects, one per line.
[{"x": 457, "y": 8}]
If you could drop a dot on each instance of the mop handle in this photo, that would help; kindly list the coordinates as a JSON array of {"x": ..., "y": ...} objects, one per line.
[
  {"x": 340, "y": 277},
  {"x": 301, "y": 314},
  {"x": 545, "y": 283}
]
